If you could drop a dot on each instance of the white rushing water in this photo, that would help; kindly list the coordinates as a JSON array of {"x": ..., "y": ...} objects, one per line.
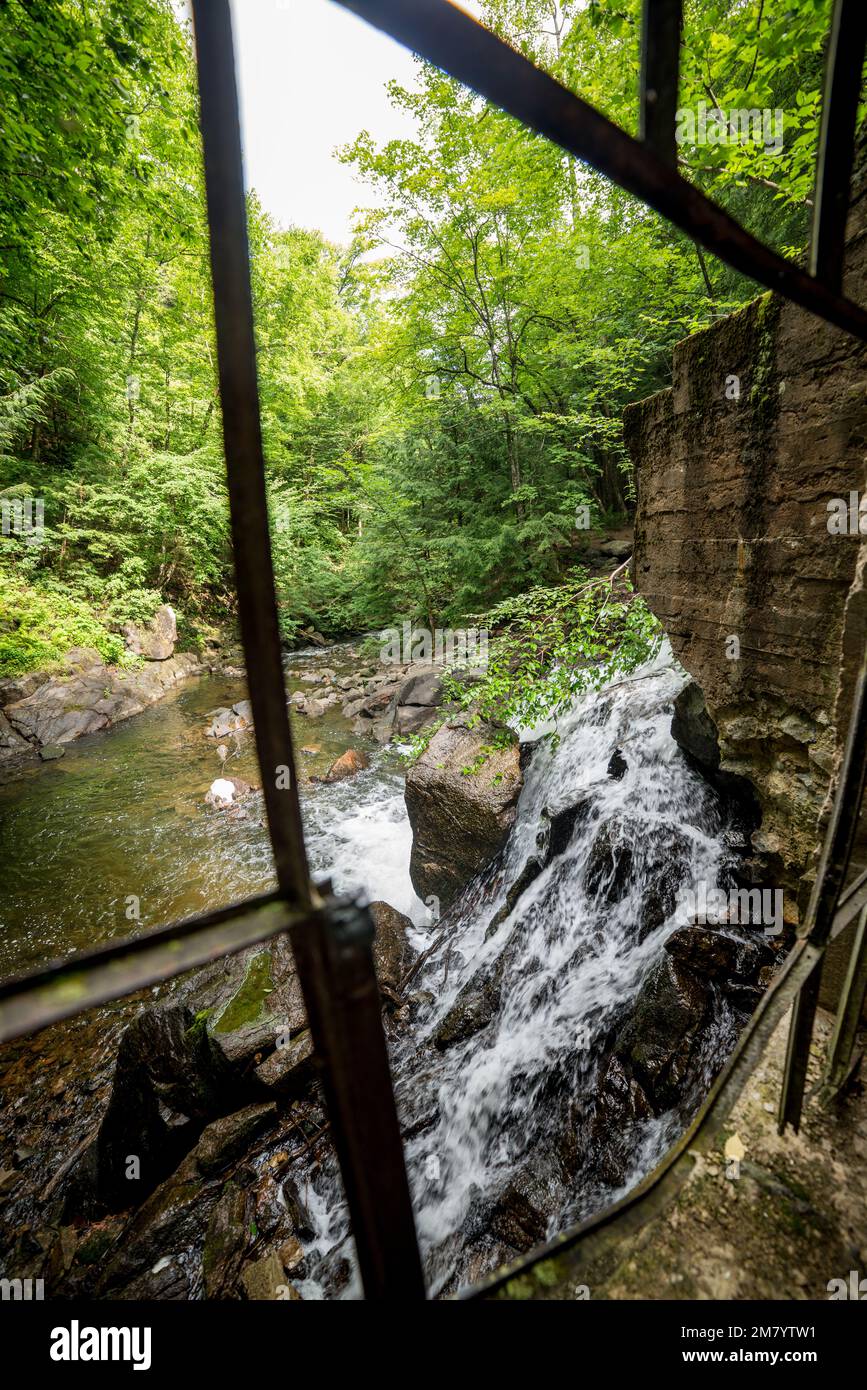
[{"x": 569, "y": 958}]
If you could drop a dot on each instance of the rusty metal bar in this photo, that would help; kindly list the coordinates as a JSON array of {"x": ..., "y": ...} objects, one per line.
[
  {"x": 344, "y": 1010},
  {"x": 661, "y": 26},
  {"x": 333, "y": 950},
  {"x": 455, "y": 42},
  {"x": 852, "y": 997},
  {"x": 242, "y": 437},
  {"x": 822, "y": 910},
  {"x": 67, "y": 987},
  {"x": 843, "y": 68}
]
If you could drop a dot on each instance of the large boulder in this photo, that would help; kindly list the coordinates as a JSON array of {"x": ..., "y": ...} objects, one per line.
[
  {"x": 155, "y": 641},
  {"x": 392, "y": 952},
  {"x": 461, "y": 799}
]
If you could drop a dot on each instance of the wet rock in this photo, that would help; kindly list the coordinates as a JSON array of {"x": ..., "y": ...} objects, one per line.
[
  {"x": 12, "y": 744},
  {"x": 392, "y": 953},
  {"x": 623, "y": 853},
  {"x": 155, "y": 641},
  {"x": 715, "y": 955},
  {"x": 229, "y": 1137},
  {"x": 617, "y": 766},
  {"x": 475, "y": 1007},
  {"x": 526, "y": 877},
  {"x": 51, "y": 752},
  {"x": 561, "y": 826},
  {"x": 290, "y": 1068},
  {"x": 347, "y": 765},
  {"x": 167, "y": 1081},
  {"x": 258, "y": 1000},
  {"x": 461, "y": 797},
  {"x": 174, "y": 1218},
  {"x": 519, "y": 1220},
  {"x": 660, "y": 1037},
  {"x": 225, "y": 1243}
]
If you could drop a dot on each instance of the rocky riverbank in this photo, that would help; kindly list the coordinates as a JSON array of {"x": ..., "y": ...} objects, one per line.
[{"x": 42, "y": 712}]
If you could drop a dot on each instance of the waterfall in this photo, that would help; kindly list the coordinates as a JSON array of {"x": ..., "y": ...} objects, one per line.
[{"x": 552, "y": 976}]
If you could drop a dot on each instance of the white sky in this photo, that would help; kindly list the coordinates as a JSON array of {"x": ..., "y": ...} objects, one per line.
[{"x": 311, "y": 77}]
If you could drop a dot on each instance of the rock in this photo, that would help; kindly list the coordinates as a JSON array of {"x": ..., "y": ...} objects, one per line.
[
  {"x": 174, "y": 1217},
  {"x": 409, "y": 719},
  {"x": 290, "y": 1068},
  {"x": 312, "y": 708},
  {"x": 244, "y": 710},
  {"x": 19, "y": 687},
  {"x": 167, "y": 1081},
  {"x": 423, "y": 686},
  {"x": 94, "y": 696},
  {"x": 473, "y": 1010},
  {"x": 622, "y": 851},
  {"x": 617, "y": 766},
  {"x": 392, "y": 953},
  {"x": 225, "y": 1242},
  {"x": 715, "y": 955},
  {"x": 228, "y": 1138},
  {"x": 265, "y": 1279},
  {"x": 528, "y": 875},
  {"x": 354, "y": 760},
  {"x": 50, "y": 752},
  {"x": 221, "y": 792},
  {"x": 373, "y": 704},
  {"x": 461, "y": 802},
  {"x": 12, "y": 745},
  {"x": 155, "y": 641},
  {"x": 517, "y": 1220},
  {"x": 616, "y": 549},
  {"x": 659, "y": 1039},
  {"x": 225, "y": 722},
  {"x": 258, "y": 1001}
]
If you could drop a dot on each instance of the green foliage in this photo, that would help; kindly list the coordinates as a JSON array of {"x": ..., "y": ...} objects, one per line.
[
  {"x": 550, "y": 644},
  {"x": 438, "y": 398}
]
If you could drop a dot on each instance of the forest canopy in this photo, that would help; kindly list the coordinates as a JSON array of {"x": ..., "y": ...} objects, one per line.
[{"x": 440, "y": 396}]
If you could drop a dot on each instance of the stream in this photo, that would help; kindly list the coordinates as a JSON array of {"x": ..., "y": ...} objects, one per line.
[{"x": 501, "y": 1143}]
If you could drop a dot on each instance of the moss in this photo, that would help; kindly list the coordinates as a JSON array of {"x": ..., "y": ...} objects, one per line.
[{"x": 247, "y": 1004}]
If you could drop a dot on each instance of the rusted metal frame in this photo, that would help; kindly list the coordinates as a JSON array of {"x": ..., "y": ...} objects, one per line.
[
  {"x": 344, "y": 1010},
  {"x": 67, "y": 987},
  {"x": 242, "y": 436},
  {"x": 849, "y": 1008},
  {"x": 455, "y": 42},
  {"x": 843, "y": 69},
  {"x": 332, "y": 950},
  {"x": 824, "y": 899},
  {"x": 661, "y": 27}
]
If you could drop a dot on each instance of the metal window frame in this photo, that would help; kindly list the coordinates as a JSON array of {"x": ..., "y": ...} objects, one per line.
[{"x": 331, "y": 939}]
